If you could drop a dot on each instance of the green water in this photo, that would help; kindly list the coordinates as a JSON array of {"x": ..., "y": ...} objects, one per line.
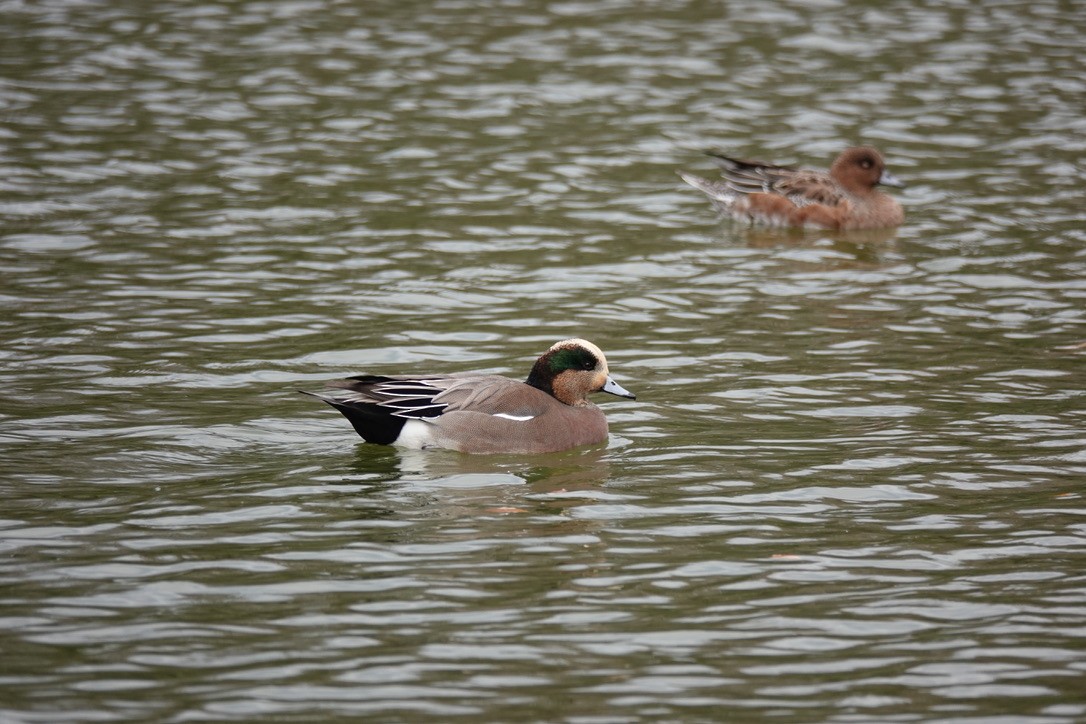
[{"x": 850, "y": 489}]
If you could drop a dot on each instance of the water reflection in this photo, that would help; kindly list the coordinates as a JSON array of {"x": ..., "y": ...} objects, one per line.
[
  {"x": 873, "y": 248},
  {"x": 848, "y": 490},
  {"x": 484, "y": 485}
]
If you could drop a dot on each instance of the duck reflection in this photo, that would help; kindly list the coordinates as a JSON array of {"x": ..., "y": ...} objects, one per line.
[
  {"x": 438, "y": 467},
  {"x": 866, "y": 247},
  {"x": 498, "y": 483}
]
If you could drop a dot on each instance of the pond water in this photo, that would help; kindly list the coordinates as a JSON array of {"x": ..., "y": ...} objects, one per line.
[{"x": 850, "y": 489}]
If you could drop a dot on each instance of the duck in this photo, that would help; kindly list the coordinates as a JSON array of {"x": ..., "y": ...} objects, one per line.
[
  {"x": 484, "y": 413},
  {"x": 846, "y": 197}
]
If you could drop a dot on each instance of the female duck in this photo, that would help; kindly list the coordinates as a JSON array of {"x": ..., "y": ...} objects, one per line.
[{"x": 846, "y": 198}]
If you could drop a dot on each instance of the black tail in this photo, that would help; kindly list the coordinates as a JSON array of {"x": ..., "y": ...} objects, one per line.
[{"x": 373, "y": 423}]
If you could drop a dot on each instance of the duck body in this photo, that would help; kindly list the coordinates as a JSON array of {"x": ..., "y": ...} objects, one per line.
[
  {"x": 846, "y": 197},
  {"x": 484, "y": 413}
]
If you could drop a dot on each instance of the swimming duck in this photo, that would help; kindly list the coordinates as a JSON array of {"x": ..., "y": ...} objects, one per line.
[
  {"x": 846, "y": 197},
  {"x": 484, "y": 413}
]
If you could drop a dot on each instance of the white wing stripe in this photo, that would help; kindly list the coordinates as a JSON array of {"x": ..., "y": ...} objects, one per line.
[{"x": 518, "y": 418}]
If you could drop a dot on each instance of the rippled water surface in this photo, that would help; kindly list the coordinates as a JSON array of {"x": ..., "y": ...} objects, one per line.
[{"x": 850, "y": 489}]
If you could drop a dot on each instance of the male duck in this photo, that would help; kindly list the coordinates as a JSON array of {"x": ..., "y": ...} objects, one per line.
[
  {"x": 845, "y": 198},
  {"x": 480, "y": 413}
]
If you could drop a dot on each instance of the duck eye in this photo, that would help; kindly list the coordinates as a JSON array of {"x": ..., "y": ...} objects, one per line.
[
  {"x": 866, "y": 163},
  {"x": 588, "y": 364}
]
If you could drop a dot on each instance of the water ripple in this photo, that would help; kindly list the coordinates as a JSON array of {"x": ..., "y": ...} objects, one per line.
[{"x": 847, "y": 491}]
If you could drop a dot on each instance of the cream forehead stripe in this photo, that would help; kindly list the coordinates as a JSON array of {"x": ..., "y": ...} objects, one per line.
[{"x": 578, "y": 342}]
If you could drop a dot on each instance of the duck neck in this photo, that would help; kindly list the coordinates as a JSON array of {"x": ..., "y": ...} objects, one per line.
[{"x": 540, "y": 378}]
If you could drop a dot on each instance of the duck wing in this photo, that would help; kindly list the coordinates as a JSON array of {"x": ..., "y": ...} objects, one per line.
[
  {"x": 420, "y": 397},
  {"x": 800, "y": 186}
]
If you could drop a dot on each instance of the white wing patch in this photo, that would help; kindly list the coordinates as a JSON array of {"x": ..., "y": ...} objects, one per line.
[{"x": 518, "y": 418}]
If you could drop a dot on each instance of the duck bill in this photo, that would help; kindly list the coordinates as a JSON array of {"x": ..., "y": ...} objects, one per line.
[
  {"x": 889, "y": 179},
  {"x": 614, "y": 388}
]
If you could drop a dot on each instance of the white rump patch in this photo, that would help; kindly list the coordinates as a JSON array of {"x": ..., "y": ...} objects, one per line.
[
  {"x": 415, "y": 434},
  {"x": 518, "y": 418}
]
